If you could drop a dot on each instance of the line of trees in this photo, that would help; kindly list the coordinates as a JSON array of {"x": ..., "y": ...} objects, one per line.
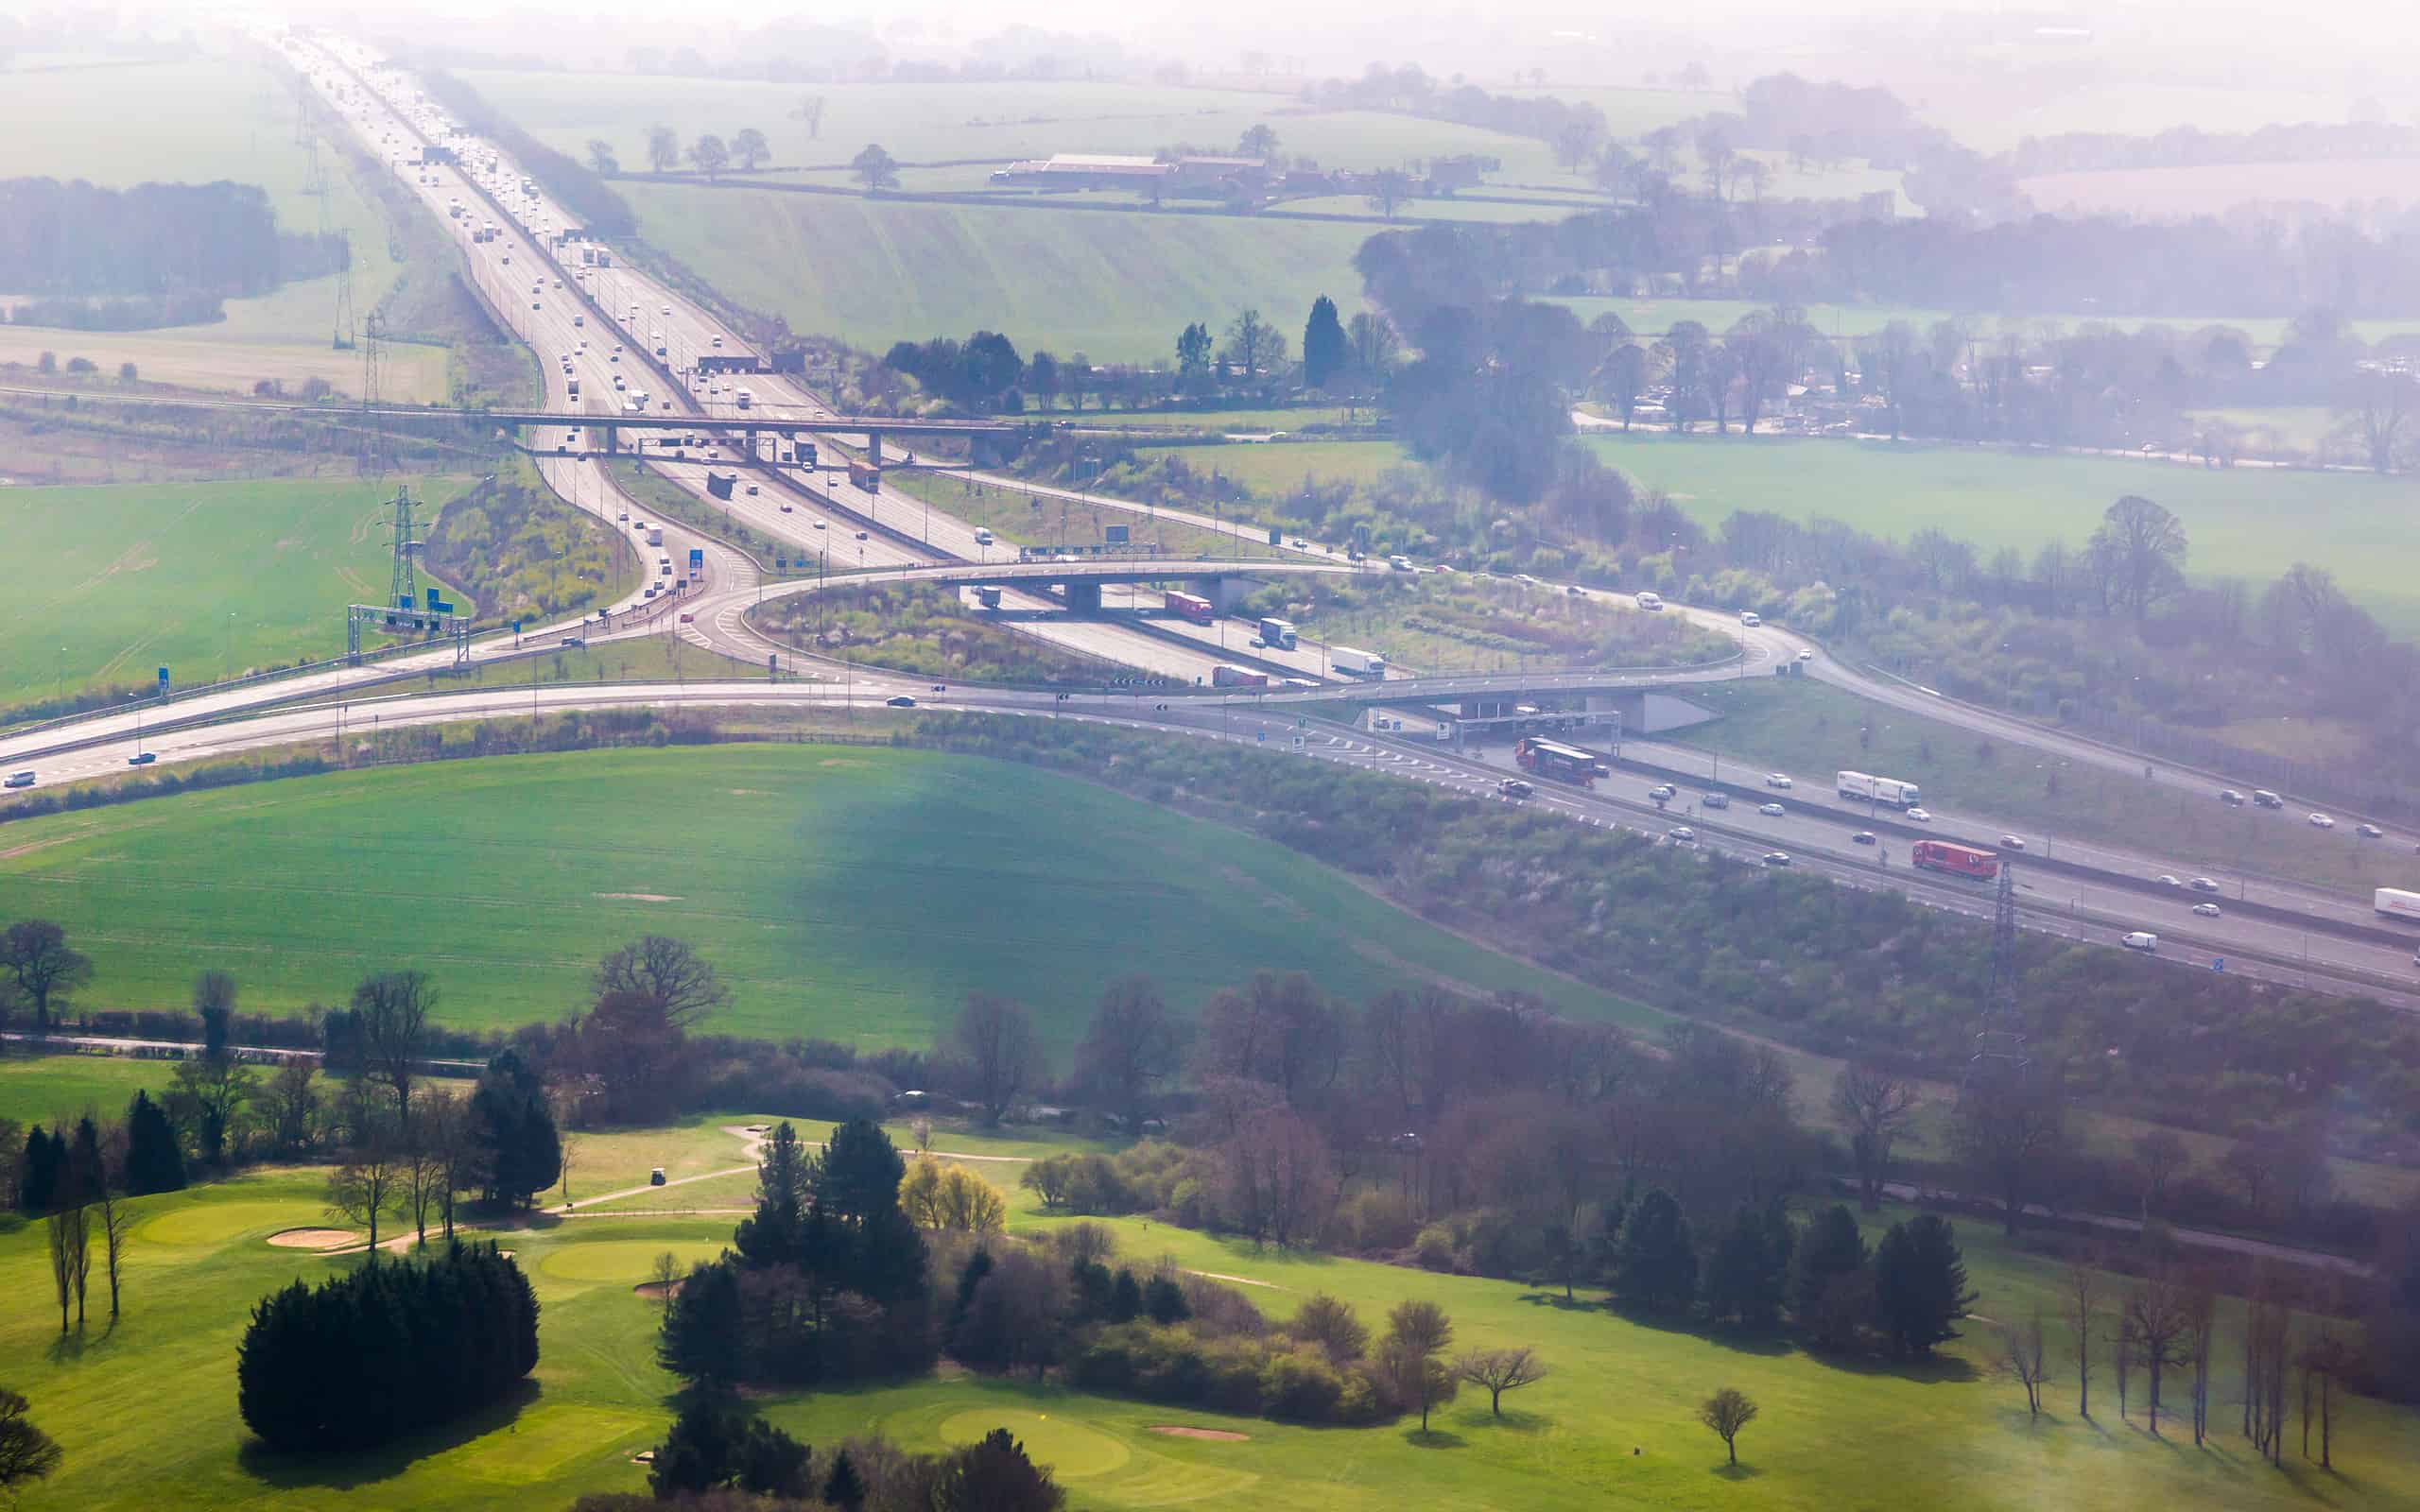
[
  {"x": 385, "y": 1350},
  {"x": 747, "y": 150},
  {"x": 154, "y": 239}
]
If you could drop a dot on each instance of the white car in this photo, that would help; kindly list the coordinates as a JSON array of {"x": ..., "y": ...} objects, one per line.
[
  {"x": 1683, "y": 835},
  {"x": 1776, "y": 858},
  {"x": 2321, "y": 821},
  {"x": 1921, "y": 816},
  {"x": 2206, "y": 910},
  {"x": 1771, "y": 810},
  {"x": 2012, "y": 842},
  {"x": 1780, "y": 779},
  {"x": 1807, "y": 656},
  {"x": 2168, "y": 881}
]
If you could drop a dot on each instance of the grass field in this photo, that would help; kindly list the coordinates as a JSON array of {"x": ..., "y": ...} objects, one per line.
[
  {"x": 104, "y": 584},
  {"x": 507, "y": 877},
  {"x": 1115, "y": 287},
  {"x": 203, "y": 119},
  {"x": 928, "y": 123},
  {"x": 1279, "y": 468},
  {"x": 1611, "y": 1426},
  {"x": 47, "y": 1088},
  {"x": 2249, "y": 523}
]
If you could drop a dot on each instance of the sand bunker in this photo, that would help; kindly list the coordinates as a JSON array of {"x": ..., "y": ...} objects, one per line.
[
  {"x": 314, "y": 1238},
  {"x": 642, "y": 897},
  {"x": 657, "y": 1291},
  {"x": 1220, "y": 1435}
]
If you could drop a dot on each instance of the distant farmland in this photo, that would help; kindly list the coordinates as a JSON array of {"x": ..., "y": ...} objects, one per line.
[
  {"x": 1118, "y": 286},
  {"x": 2209, "y": 190}
]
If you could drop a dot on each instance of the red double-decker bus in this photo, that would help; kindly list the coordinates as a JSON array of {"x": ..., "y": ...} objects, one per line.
[{"x": 1957, "y": 860}]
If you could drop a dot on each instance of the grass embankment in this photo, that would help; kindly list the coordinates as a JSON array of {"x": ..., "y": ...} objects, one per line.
[
  {"x": 106, "y": 583},
  {"x": 1808, "y": 729},
  {"x": 1828, "y": 1435},
  {"x": 854, "y": 894},
  {"x": 1463, "y": 623},
  {"x": 924, "y": 628}
]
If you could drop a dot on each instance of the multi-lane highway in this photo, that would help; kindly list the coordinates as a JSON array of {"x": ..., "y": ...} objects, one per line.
[{"x": 581, "y": 322}]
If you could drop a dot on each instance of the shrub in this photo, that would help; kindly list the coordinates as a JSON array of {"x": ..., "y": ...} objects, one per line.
[{"x": 1434, "y": 1248}]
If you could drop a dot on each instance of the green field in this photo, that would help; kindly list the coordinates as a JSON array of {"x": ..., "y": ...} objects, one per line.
[
  {"x": 1118, "y": 286},
  {"x": 941, "y": 122},
  {"x": 201, "y": 119},
  {"x": 104, "y": 584},
  {"x": 853, "y": 893},
  {"x": 2248, "y": 522},
  {"x": 1278, "y": 468},
  {"x": 46, "y": 1088},
  {"x": 1828, "y": 1437}
]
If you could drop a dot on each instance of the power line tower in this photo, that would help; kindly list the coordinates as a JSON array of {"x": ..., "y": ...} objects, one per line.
[
  {"x": 406, "y": 589},
  {"x": 407, "y": 614},
  {"x": 1999, "y": 1059},
  {"x": 375, "y": 457}
]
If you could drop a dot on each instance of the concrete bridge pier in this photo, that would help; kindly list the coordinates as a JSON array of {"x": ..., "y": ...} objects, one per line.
[
  {"x": 1224, "y": 593},
  {"x": 1083, "y": 596}
]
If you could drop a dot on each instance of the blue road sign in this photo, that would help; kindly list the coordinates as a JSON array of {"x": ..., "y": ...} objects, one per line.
[
  {"x": 163, "y": 682},
  {"x": 2218, "y": 963},
  {"x": 1262, "y": 737}
]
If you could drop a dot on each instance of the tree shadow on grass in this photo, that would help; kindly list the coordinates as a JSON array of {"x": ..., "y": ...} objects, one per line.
[
  {"x": 1939, "y": 1369},
  {"x": 1511, "y": 1422},
  {"x": 1432, "y": 1438},
  {"x": 346, "y": 1473},
  {"x": 1737, "y": 1473},
  {"x": 1743, "y": 1341}
]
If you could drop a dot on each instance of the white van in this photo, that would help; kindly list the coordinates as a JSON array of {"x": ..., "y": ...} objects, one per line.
[
  {"x": 1650, "y": 601},
  {"x": 1750, "y": 618},
  {"x": 982, "y": 536},
  {"x": 2139, "y": 941}
]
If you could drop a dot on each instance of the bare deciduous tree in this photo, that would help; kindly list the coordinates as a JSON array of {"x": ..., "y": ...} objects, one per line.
[
  {"x": 392, "y": 1011},
  {"x": 1499, "y": 1371},
  {"x": 2082, "y": 1304},
  {"x": 1875, "y": 1106},
  {"x": 2024, "y": 1352},
  {"x": 994, "y": 1037},
  {"x": 364, "y": 1186},
  {"x": 1727, "y": 1411},
  {"x": 669, "y": 972}
]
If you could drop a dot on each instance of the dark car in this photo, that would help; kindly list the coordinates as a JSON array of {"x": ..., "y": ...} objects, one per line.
[
  {"x": 1514, "y": 788},
  {"x": 901, "y": 702},
  {"x": 1863, "y": 838},
  {"x": 143, "y": 758}
]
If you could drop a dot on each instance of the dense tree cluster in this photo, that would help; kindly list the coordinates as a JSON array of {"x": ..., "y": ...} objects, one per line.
[
  {"x": 976, "y": 372},
  {"x": 154, "y": 240},
  {"x": 385, "y": 1350},
  {"x": 829, "y": 1279}
]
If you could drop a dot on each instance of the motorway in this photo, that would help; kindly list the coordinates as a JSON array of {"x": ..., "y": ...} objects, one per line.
[{"x": 570, "y": 312}]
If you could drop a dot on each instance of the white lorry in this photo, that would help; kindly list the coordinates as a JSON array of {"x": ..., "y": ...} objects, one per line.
[
  {"x": 1352, "y": 664},
  {"x": 1865, "y": 788}
]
